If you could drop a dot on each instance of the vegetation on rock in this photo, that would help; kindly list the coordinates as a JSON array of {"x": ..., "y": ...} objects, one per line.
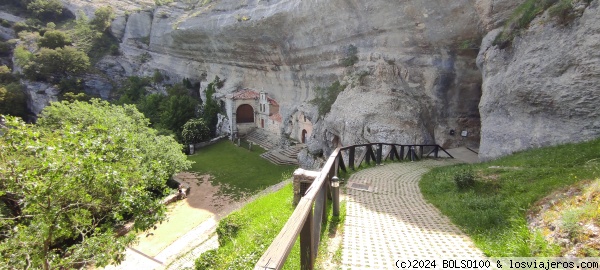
[
  {"x": 69, "y": 181},
  {"x": 211, "y": 107},
  {"x": 326, "y": 96}
]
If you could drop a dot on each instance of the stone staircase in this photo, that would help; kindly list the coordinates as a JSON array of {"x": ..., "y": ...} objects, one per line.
[
  {"x": 287, "y": 156},
  {"x": 277, "y": 155},
  {"x": 263, "y": 138}
]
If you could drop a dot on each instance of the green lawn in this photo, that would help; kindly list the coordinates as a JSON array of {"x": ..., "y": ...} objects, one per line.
[
  {"x": 246, "y": 234},
  {"x": 237, "y": 170},
  {"x": 493, "y": 211}
]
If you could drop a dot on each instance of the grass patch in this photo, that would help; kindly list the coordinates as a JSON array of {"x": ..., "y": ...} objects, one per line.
[
  {"x": 246, "y": 234},
  {"x": 493, "y": 211},
  {"x": 333, "y": 228},
  {"x": 240, "y": 172}
]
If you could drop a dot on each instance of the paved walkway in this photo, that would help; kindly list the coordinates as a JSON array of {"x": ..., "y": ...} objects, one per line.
[{"x": 387, "y": 219}]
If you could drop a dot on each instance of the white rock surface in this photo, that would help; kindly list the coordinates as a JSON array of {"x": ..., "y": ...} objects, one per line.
[{"x": 544, "y": 89}]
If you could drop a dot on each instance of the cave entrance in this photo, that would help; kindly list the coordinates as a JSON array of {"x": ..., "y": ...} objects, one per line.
[
  {"x": 304, "y": 136},
  {"x": 244, "y": 114}
]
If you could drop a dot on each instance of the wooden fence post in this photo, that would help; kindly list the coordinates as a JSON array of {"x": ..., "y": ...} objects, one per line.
[
  {"x": 351, "y": 158},
  {"x": 307, "y": 253},
  {"x": 379, "y": 153}
]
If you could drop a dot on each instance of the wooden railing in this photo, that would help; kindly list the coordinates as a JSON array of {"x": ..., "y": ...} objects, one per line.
[{"x": 310, "y": 213}]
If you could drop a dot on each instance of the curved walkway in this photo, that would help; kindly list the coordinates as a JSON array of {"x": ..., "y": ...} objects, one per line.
[{"x": 387, "y": 219}]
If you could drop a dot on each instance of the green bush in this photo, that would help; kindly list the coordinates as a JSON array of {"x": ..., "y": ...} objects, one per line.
[
  {"x": 464, "y": 179},
  {"x": 158, "y": 77},
  {"x": 6, "y": 75},
  {"x": 207, "y": 260},
  {"x": 5, "y": 48},
  {"x": 20, "y": 26},
  {"x": 53, "y": 39},
  {"x": 13, "y": 100},
  {"x": 45, "y": 9},
  {"x": 351, "y": 56},
  {"x": 114, "y": 50},
  {"x": 55, "y": 64},
  {"x": 5, "y": 23},
  {"x": 326, "y": 96},
  {"x": 103, "y": 16},
  {"x": 195, "y": 131},
  {"x": 562, "y": 12},
  {"x": 229, "y": 227}
]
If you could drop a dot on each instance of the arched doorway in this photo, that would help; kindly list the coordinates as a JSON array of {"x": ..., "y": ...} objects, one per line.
[
  {"x": 244, "y": 114},
  {"x": 262, "y": 123},
  {"x": 304, "y": 136}
]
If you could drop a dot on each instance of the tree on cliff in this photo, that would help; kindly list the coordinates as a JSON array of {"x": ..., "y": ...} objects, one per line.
[
  {"x": 67, "y": 182},
  {"x": 56, "y": 64}
]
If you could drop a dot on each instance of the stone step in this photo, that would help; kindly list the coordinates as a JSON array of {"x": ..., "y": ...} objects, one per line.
[{"x": 276, "y": 158}]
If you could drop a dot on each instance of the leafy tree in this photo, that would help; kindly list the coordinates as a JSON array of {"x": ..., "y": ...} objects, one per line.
[
  {"x": 133, "y": 90},
  {"x": 195, "y": 131},
  {"x": 103, "y": 16},
  {"x": 6, "y": 75},
  {"x": 68, "y": 181},
  {"x": 54, "y": 64},
  {"x": 85, "y": 36},
  {"x": 149, "y": 105},
  {"x": 22, "y": 56},
  {"x": 53, "y": 39},
  {"x": 211, "y": 107},
  {"x": 45, "y": 8},
  {"x": 177, "y": 109},
  {"x": 13, "y": 100}
]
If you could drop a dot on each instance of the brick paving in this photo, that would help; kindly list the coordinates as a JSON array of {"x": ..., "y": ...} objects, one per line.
[{"x": 392, "y": 221}]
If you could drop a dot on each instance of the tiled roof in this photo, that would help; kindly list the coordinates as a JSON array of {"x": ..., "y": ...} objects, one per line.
[
  {"x": 251, "y": 94},
  {"x": 276, "y": 117},
  {"x": 245, "y": 94},
  {"x": 272, "y": 101}
]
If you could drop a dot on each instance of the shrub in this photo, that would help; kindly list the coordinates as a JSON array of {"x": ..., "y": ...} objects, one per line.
[
  {"x": 22, "y": 56},
  {"x": 45, "y": 8},
  {"x": 229, "y": 227},
  {"x": 13, "y": 100},
  {"x": 207, "y": 260},
  {"x": 158, "y": 77},
  {"x": 114, "y": 50},
  {"x": 5, "y": 48},
  {"x": 53, "y": 64},
  {"x": 464, "y": 179},
  {"x": 5, "y": 23},
  {"x": 102, "y": 18},
  {"x": 195, "y": 131},
  {"x": 326, "y": 96},
  {"x": 6, "y": 75},
  {"x": 53, "y": 39},
  {"x": 162, "y": 2},
  {"x": 351, "y": 56},
  {"x": 562, "y": 12},
  {"x": 20, "y": 26}
]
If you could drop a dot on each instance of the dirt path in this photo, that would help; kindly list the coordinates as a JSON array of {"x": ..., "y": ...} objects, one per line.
[{"x": 201, "y": 204}]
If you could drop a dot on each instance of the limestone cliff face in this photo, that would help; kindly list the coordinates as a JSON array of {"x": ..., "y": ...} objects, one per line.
[
  {"x": 544, "y": 89},
  {"x": 416, "y": 59}
]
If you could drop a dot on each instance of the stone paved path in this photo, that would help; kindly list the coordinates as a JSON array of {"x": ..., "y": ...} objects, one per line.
[{"x": 392, "y": 220}]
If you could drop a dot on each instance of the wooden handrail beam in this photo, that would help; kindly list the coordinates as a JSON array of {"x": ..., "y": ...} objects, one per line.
[{"x": 278, "y": 251}]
